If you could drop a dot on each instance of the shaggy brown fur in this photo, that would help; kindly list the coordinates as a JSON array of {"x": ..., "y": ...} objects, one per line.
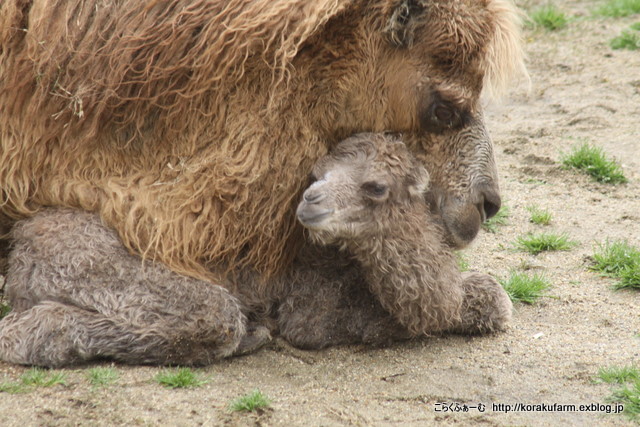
[
  {"x": 78, "y": 295},
  {"x": 189, "y": 125}
]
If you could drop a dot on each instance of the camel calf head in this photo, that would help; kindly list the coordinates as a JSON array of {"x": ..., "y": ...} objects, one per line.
[{"x": 359, "y": 185}]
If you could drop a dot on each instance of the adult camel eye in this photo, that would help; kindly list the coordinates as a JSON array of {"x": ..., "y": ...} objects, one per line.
[
  {"x": 439, "y": 115},
  {"x": 444, "y": 114}
]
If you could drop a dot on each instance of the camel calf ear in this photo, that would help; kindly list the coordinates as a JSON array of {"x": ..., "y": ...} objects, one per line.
[
  {"x": 402, "y": 22},
  {"x": 419, "y": 183}
]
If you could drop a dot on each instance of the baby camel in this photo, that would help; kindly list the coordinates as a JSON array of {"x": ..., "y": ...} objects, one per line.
[
  {"x": 369, "y": 200},
  {"x": 78, "y": 295}
]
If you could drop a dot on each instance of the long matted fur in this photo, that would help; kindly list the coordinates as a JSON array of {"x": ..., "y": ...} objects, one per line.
[{"x": 190, "y": 125}]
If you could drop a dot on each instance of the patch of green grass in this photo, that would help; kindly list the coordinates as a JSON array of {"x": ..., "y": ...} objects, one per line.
[
  {"x": 100, "y": 377},
  {"x": 463, "y": 264},
  {"x": 611, "y": 258},
  {"x": 636, "y": 26},
  {"x": 629, "y": 396},
  {"x": 629, "y": 40},
  {"x": 629, "y": 278},
  {"x": 525, "y": 288},
  {"x": 4, "y": 305},
  {"x": 4, "y": 308},
  {"x": 34, "y": 377},
  {"x": 548, "y": 17},
  {"x": 539, "y": 216},
  {"x": 618, "y": 8},
  {"x": 179, "y": 378},
  {"x": 618, "y": 375},
  {"x": 250, "y": 402},
  {"x": 593, "y": 161},
  {"x": 12, "y": 388},
  {"x": 541, "y": 242},
  {"x": 39, "y": 377},
  {"x": 499, "y": 219},
  {"x": 618, "y": 259}
]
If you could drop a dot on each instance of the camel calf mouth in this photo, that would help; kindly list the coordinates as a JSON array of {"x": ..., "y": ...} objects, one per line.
[{"x": 312, "y": 216}]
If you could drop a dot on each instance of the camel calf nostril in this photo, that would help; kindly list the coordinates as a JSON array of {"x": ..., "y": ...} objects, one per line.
[{"x": 313, "y": 196}]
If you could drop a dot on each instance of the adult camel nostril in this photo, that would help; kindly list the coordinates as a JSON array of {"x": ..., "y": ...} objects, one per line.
[{"x": 490, "y": 205}]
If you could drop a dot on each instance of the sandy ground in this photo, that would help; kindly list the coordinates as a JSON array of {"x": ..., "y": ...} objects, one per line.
[{"x": 582, "y": 91}]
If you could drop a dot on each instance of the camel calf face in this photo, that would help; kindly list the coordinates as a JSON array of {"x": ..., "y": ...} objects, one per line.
[{"x": 356, "y": 186}]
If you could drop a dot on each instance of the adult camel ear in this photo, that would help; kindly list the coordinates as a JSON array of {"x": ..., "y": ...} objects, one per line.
[{"x": 402, "y": 22}]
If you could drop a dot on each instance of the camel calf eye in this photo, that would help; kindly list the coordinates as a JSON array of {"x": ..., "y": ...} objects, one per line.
[{"x": 375, "y": 189}]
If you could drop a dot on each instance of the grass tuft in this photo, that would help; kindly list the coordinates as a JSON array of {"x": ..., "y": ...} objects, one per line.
[
  {"x": 100, "y": 377},
  {"x": 12, "y": 388},
  {"x": 42, "y": 378},
  {"x": 613, "y": 257},
  {"x": 548, "y": 17},
  {"x": 536, "y": 243},
  {"x": 463, "y": 264},
  {"x": 618, "y": 8},
  {"x": 629, "y": 278},
  {"x": 619, "y": 375},
  {"x": 629, "y": 40},
  {"x": 593, "y": 161},
  {"x": 539, "y": 216},
  {"x": 34, "y": 377},
  {"x": 524, "y": 288},
  {"x": 4, "y": 308},
  {"x": 621, "y": 260},
  {"x": 499, "y": 219},
  {"x": 179, "y": 378},
  {"x": 250, "y": 402},
  {"x": 629, "y": 396}
]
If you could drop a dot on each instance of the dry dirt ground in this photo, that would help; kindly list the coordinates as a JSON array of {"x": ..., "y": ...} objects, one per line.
[{"x": 581, "y": 91}]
